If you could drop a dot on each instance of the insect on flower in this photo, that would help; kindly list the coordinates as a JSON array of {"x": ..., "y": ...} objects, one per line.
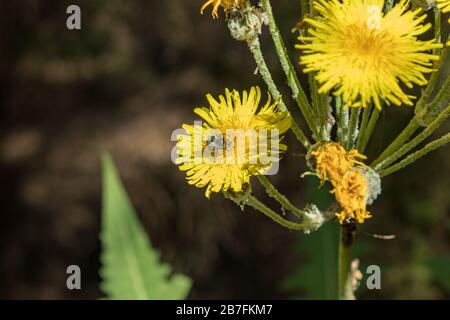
[{"x": 235, "y": 142}]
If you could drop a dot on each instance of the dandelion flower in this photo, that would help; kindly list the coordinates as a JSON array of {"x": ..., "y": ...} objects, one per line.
[
  {"x": 235, "y": 141},
  {"x": 225, "y": 4},
  {"x": 364, "y": 54},
  {"x": 351, "y": 193},
  {"x": 444, "y": 5}
]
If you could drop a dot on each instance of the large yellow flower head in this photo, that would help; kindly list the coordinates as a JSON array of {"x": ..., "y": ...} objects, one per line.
[
  {"x": 225, "y": 4},
  {"x": 234, "y": 142},
  {"x": 364, "y": 54}
]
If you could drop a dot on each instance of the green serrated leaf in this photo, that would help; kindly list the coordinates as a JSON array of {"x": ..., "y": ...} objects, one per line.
[{"x": 131, "y": 268}]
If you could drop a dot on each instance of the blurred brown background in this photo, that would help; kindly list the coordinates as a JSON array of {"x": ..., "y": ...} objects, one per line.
[{"x": 122, "y": 84}]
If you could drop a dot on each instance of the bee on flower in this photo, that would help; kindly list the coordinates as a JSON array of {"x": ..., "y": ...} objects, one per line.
[{"x": 235, "y": 141}]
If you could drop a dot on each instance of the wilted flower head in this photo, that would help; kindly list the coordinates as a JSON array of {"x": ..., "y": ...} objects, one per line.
[
  {"x": 351, "y": 193},
  {"x": 344, "y": 170},
  {"x": 225, "y": 4},
  {"x": 332, "y": 161}
]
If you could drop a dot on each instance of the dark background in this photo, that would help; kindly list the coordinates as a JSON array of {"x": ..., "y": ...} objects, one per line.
[{"x": 122, "y": 84}]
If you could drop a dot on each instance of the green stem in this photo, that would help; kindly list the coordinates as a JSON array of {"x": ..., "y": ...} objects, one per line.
[
  {"x": 415, "y": 141},
  {"x": 364, "y": 122},
  {"x": 291, "y": 75},
  {"x": 443, "y": 95},
  {"x": 327, "y": 117},
  {"x": 315, "y": 102},
  {"x": 416, "y": 155},
  {"x": 303, "y": 7},
  {"x": 345, "y": 286},
  {"x": 368, "y": 132},
  {"x": 423, "y": 109},
  {"x": 404, "y": 136},
  {"x": 437, "y": 24},
  {"x": 353, "y": 128},
  {"x": 321, "y": 109},
  {"x": 274, "y": 193},
  {"x": 255, "y": 49},
  {"x": 342, "y": 115},
  {"x": 311, "y": 221},
  {"x": 258, "y": 205}
]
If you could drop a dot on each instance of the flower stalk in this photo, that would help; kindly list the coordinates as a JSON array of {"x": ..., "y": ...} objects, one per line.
[
  {"x": 416, "y": 155},
  {"x": 415, "y": 141},
  {"x": 353, "y": 128},
  {"x": 313, "y": 219},
  {"x": 365, "y": 134},
  {"x": 292, "y": 79},
  {"x": 258, "y": 205},
  {"x": 255, "y": 49},
  {"x": 345, "y": 277}
]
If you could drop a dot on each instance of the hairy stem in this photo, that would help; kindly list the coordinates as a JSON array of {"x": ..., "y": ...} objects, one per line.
[
  {"x": 404, "y": 136},
  {"x": 258, "y": 205},
  {"x": 274, "y": 193},
  {"x": 345, "y": 277},
  {"x": 442, "y": 96},
  {"x": 291, "y": 75},
  {"x": 353, "y": 128},
  {"x": 362, "y": 144},
  {"x": 255, "y": 49},
  {"x": 422, "y": 108},
  {"x": 416, "y": 155},
  {"x": 342, "y": 116},
  {"x": 415, "y": 141},
  {"x": 364, "y": 122}
]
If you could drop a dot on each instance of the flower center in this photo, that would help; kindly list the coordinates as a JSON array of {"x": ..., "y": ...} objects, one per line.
[{"x": 366, "y": 48}]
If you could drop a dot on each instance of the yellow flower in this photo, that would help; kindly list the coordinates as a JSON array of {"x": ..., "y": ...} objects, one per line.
[
  {"x": 225, "y": 4},
  {"x": 364, "y": 54},
  {"x": 235, "y": 141},
  {"x": 444, "y": 5},
  {"x": 333, "y": 161},
  {"x": 350, "y": 185},
  {"x": 351, "y": 193}
]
